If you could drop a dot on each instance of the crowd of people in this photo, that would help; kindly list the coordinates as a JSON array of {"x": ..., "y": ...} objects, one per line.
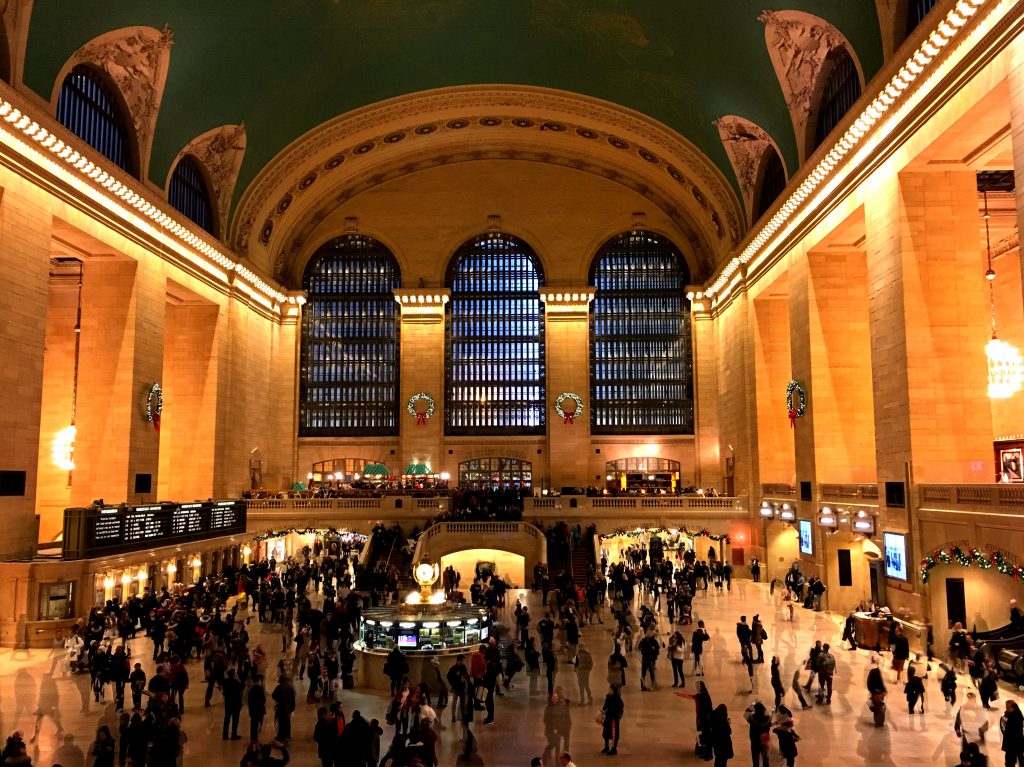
[{"x": 199, "y": 640}]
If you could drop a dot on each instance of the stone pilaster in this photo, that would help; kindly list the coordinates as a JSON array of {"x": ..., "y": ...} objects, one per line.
[{"x": 567, "y": 350}]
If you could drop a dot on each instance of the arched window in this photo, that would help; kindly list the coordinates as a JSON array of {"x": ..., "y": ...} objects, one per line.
[
  {"x": 91, "y": 109},
  {"x": 641, "y": 376},
  {"x": 916, "y": 11},
  {"x": 841, "y": 91},
  {"x": 348, "y": 379},
  {"x": 495, "y": 339},
  {"x": 773, "y": 181},
  {"x": 188, "y": 193}
]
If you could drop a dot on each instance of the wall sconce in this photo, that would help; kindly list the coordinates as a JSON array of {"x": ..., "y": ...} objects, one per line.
[
  {"x": 171, "y": 568},
  {"x": 108, "y": 583},
  {"x": 126, "y": 579}
]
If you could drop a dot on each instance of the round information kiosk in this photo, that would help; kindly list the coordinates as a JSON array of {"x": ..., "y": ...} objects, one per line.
[{"x": 426, "y": 628}]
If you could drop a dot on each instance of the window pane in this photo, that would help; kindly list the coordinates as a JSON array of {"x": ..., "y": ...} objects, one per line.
[
  {"x": 841, "y": 91},
  {"x": 87, "y": 107},
  {"x": 641, "y": 364},
  {"x": 188, "y": 194},
  {"x": 495, "y": 340},
  {"x": 349, "y": 366}
]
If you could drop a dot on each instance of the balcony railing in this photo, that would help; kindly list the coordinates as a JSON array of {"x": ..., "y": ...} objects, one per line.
[
  {"x": 998, "y": 498},
  {"x": 850, "y": 493},
  {"x": 576, "y": 504},
  {"x": 776, "y": 490}
]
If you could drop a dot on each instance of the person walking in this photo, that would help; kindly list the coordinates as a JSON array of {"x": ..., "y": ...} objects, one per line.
[
  {"x": 759, "y": 730},
  {"x": 914, "y": 690},
  {"x": 612, "y": 711},
  {"x": 649, "y": 648},
  {"x": 550, "y": 665},
  {"x": 877, "y": 692},
  {"x": 676, "y": 655},
  {"x": 799, "y": 690},
  {"x": 1012, "y": 726},
  {"x": 758, "y": 635},
  {"x": 617, "y": 668},
  {"x": 256, "y": 704},
  {"x": 948, "y": 686},
  {"x": 826, "y": 671},
  {"x": 458, "y": 683},
  {"x": 102, "y": 748},
  {"x": 787, "y": 740},
  {"x": 700, "y": 636},
  {"x": 812, "y": 664},
  {"x": 721, "y": 736},
  {"x": 584, "y": 665},
  {"x": 900, "y": 652},
  {"x": 743, "y": 636},
  {"x": 231, "y": 688},
  {"x": 395, "y": 668},
  {"x": 284, "y": 704},
  {"x": 777, "y": 686}
]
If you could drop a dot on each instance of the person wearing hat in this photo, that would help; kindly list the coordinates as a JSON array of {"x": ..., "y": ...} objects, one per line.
[{"x": 787, "y": 737}]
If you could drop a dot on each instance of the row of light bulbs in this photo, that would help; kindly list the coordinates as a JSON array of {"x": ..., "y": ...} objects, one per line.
[
  {"x": 72, "y": 159},
  {"x": 915, "y": 66}
]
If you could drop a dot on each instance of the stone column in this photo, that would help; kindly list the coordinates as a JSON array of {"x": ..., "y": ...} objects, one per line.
[
  {"x": 25, "y": 228},
  {"x": 1016, "y": 102},
  {"x": 929, "y": 323},
  {"x": 121, "y": 358},
  {"x": 567, "y": 353},
  {"x": 422, "y": 371},
  {"x": 710, "y": 454},
  {"x": 188, "y": 428}
]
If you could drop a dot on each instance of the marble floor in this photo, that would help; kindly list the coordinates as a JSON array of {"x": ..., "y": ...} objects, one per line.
[{"x": 658, "y": 727}]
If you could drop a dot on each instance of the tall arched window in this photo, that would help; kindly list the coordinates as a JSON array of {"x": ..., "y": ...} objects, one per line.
[
  {"x": 349, "y": 368},
  {"x": 5, "y": 54},
  {"x": 189, "y": 194},
  {"x": 773, "y": 181},
  {"x": 841, "y": 91},
  {"x": 91, "y": 109},
  {"x": 641, "y": 373},
  {"x": 495, "y": 339},
  {"x": 916, "y": 11}
]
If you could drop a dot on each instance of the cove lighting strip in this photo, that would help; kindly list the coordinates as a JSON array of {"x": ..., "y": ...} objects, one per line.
[
  {"x": 79, "y": 172},
  {"x": 947, "y": 31}
]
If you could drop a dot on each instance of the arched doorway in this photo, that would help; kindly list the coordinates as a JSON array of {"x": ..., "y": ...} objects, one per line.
[
  {"x": 495, "y": 472},
  {"x": 469, "y": 563},
  {"x": 642, "y": 475}
]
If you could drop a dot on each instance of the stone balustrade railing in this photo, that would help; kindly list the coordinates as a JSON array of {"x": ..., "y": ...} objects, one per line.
[
  {"x": 429, "y": 506},
  {"x": 777, "y": 490},
  {"x": 849, "y": 493},
  {"x": 576, "y": 505},
  {"x": 994, "y": 498}
]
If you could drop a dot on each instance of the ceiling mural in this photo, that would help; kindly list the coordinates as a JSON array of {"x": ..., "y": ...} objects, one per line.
[{"x": 284, "y": 67}]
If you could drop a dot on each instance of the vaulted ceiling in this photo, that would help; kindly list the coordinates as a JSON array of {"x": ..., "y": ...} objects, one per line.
[{"x": 286, "y": 66}]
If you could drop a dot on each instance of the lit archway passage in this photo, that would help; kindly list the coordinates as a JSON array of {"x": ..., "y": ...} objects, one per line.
[{"x": 500, "y": 472}]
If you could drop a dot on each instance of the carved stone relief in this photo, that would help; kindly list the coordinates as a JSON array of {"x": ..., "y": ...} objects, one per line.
[
  {"x": 799, "y": 44},
  {"x": 220, "y": 151},
  {"x": 16, "y": 15},
  {"x": 745, "y": 143},
  {"x": 136, "y": 60}
]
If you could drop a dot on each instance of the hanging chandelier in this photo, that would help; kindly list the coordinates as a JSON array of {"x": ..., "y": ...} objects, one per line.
[{"x": 1005, "y": 365}]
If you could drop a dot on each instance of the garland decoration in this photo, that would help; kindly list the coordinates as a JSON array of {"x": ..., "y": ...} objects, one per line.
[
  {"x": 636, "y": 533},
  {"x": 568, "y": 418},
  {"x": 798, "y": 408},
  {"x": 155, "y": 405},
  {"x": 971, "y": 558},
  {"x": 345, "y": 534},
  {"x": 421, "y": 417}
]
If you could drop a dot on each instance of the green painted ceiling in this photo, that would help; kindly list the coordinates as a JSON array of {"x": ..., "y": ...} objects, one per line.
[{"x": 285, "y": 66}]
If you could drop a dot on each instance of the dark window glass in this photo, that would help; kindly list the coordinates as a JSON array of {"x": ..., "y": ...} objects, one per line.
[
  {"x": 773, "y": 181},
  {"x": 348, "y": 375},
  {"x": 5, "y": 55},
  {"x": 841, "y": 91},
  {"x": 187, "y": 192},
  {"x": 641, "y": 376},
  {"x": 916, "y": 11},
  {"x": 494, "y": 339},
  {"x": 88, "y": 107}
]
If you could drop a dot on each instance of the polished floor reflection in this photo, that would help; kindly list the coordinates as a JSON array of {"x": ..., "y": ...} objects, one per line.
[{"x": 658, "y": 727}]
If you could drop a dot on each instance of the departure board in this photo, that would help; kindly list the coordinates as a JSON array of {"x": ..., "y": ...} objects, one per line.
[{"x": 99, "y": 531}]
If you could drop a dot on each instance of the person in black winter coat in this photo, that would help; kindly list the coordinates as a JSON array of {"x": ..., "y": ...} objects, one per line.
[
  {"x": 721, "y": 735},
  {"x": 1012, "y": 725},
  {"x": 613, "y": 710},
  {"x": 787, "y": 741},
  {"x": 760, "y": 733},
  {"x": 914, "y": 690}
]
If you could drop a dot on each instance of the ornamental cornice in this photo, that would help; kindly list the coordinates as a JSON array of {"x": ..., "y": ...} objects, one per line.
[{"x": 360, "y": 137}]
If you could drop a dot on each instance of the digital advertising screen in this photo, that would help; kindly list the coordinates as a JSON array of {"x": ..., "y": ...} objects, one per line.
[
  {"x": 895, "y": 555},
  {"x": 806, "y": 537}
]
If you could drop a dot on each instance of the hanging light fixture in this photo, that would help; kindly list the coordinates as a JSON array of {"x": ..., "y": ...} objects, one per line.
[{"x": 1005, "y": 365}]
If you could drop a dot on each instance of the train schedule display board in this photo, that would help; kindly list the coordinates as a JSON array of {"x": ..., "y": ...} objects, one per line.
[{"x": 98, "y": 531}]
